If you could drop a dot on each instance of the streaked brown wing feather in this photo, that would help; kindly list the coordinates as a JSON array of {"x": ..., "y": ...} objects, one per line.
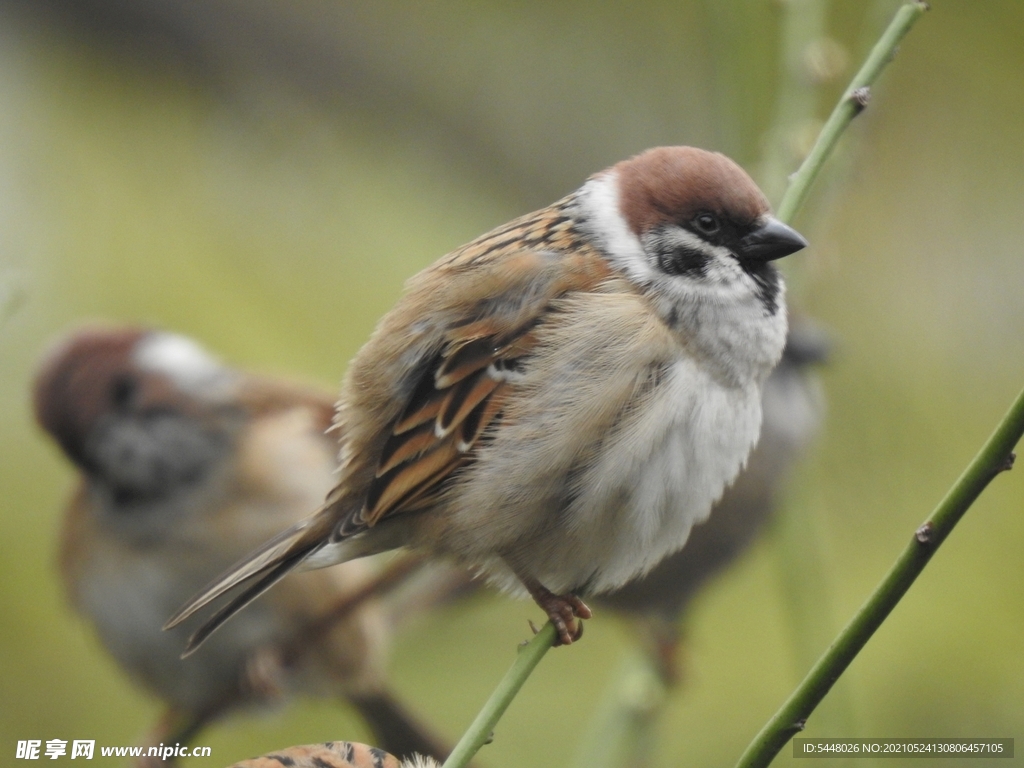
[
  {"x": 388, "y": 491},
  {"x": 423, "y": 406},
  {"x": 416, "y": 461},
  {"x": 427, "y": 492},
  {"x": 472, "y": 427},
  {"x": 405, "y": 446},
  {"x": 463, "y": 398},
  {"x": 464, "y": 359}
]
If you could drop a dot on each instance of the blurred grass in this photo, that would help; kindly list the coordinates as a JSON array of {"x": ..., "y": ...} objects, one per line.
[{"x": 277, "y": 230}]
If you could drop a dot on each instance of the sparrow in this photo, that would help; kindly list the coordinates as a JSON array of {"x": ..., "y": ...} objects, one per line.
[
  {"x": 793, "y": 407},
  {"x": 334, "y": 754},
  {"x": 184, "y": 466},
  {"x": 559, "y": 401}
]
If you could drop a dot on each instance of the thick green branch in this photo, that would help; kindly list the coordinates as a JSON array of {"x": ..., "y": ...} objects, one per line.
[
  {"x": 850, "y": 105},
  {"x": 479, "y": 733},
  {"x": 994, "y": 457}
]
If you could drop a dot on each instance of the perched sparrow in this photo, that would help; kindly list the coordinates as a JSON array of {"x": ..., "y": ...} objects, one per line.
[
  {"x": 559, "y": 401},
  {"x": 792, "y": 405},
  {"x": 334, "y": 754},
  {"x": 185, "y": 466}
]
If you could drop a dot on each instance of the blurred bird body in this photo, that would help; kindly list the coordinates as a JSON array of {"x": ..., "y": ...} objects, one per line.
[
  {"x": 186, "y": 466},
  {"x": 559, "y": 401}
]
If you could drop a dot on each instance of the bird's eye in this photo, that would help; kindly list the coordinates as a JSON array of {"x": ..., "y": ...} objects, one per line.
[{"x": 707, "y": 223}]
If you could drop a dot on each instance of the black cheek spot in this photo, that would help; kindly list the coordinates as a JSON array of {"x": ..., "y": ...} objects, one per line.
[{"x": 687, "y": 262}]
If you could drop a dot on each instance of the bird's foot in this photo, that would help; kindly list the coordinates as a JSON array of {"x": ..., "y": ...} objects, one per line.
[{"x": 563, "y": 610}]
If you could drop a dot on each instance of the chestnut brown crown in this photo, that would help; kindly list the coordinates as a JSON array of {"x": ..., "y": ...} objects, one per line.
[
  {"x": 672, "y": 185},
  {"x": 80, "y": 379}
]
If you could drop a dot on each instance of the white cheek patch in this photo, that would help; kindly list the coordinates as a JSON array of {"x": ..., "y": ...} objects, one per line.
[
  {"x": 724, "y": 270},
  {"x": 603, "y": 219},
  {"x": 189, "y": 366},
  {"x": 684, "y": 238}
]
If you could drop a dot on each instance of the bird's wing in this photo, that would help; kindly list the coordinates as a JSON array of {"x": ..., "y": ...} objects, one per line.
[
  {"x": 483, "y": 317},
  {"x": 459, "y": 395}
]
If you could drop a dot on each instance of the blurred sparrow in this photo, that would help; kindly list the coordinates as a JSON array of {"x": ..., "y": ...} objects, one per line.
[
  {"x": 334, "y": 754},
  {"x": 793, "y": 406},
  {"x": 185, "y": 466},
  {"x": 559, "y": 401}
]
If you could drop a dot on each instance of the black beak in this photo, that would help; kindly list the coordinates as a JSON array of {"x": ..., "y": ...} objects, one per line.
[{"x": 772, "y": 240}]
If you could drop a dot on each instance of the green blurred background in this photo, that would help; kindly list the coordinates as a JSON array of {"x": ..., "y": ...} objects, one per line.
[{"x": 264, "y": 175}]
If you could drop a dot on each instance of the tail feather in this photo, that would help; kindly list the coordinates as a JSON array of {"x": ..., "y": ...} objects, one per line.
[
  {"x": 267, "y": 565},
  {"x": 275, "y": 573},
  {"x": 263, "y": 558}
]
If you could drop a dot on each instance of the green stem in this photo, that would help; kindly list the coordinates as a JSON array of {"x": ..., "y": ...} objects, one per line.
[
  {"x": 849, "y": 106},
  {"x": 479, "y": 733},
  {"x": 803, "y": 22},
  {"x": 995, "y": 456}
]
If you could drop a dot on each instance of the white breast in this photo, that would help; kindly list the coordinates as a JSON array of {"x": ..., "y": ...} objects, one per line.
[{"x": 662, "y": 472}]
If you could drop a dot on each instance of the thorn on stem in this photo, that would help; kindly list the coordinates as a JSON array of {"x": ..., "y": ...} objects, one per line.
[
  {"x": 924, "y": 533},
  {"x": 860, "y": 98},
  {"x": 800, "y": 724},
  {"x": 923, "y": 5},
  {"x": 533, "y": 627},
  {"x": 1008, "y": 462}
]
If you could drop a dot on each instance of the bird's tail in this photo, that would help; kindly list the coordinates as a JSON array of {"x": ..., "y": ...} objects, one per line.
[{"x": 263, "y": 568}]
